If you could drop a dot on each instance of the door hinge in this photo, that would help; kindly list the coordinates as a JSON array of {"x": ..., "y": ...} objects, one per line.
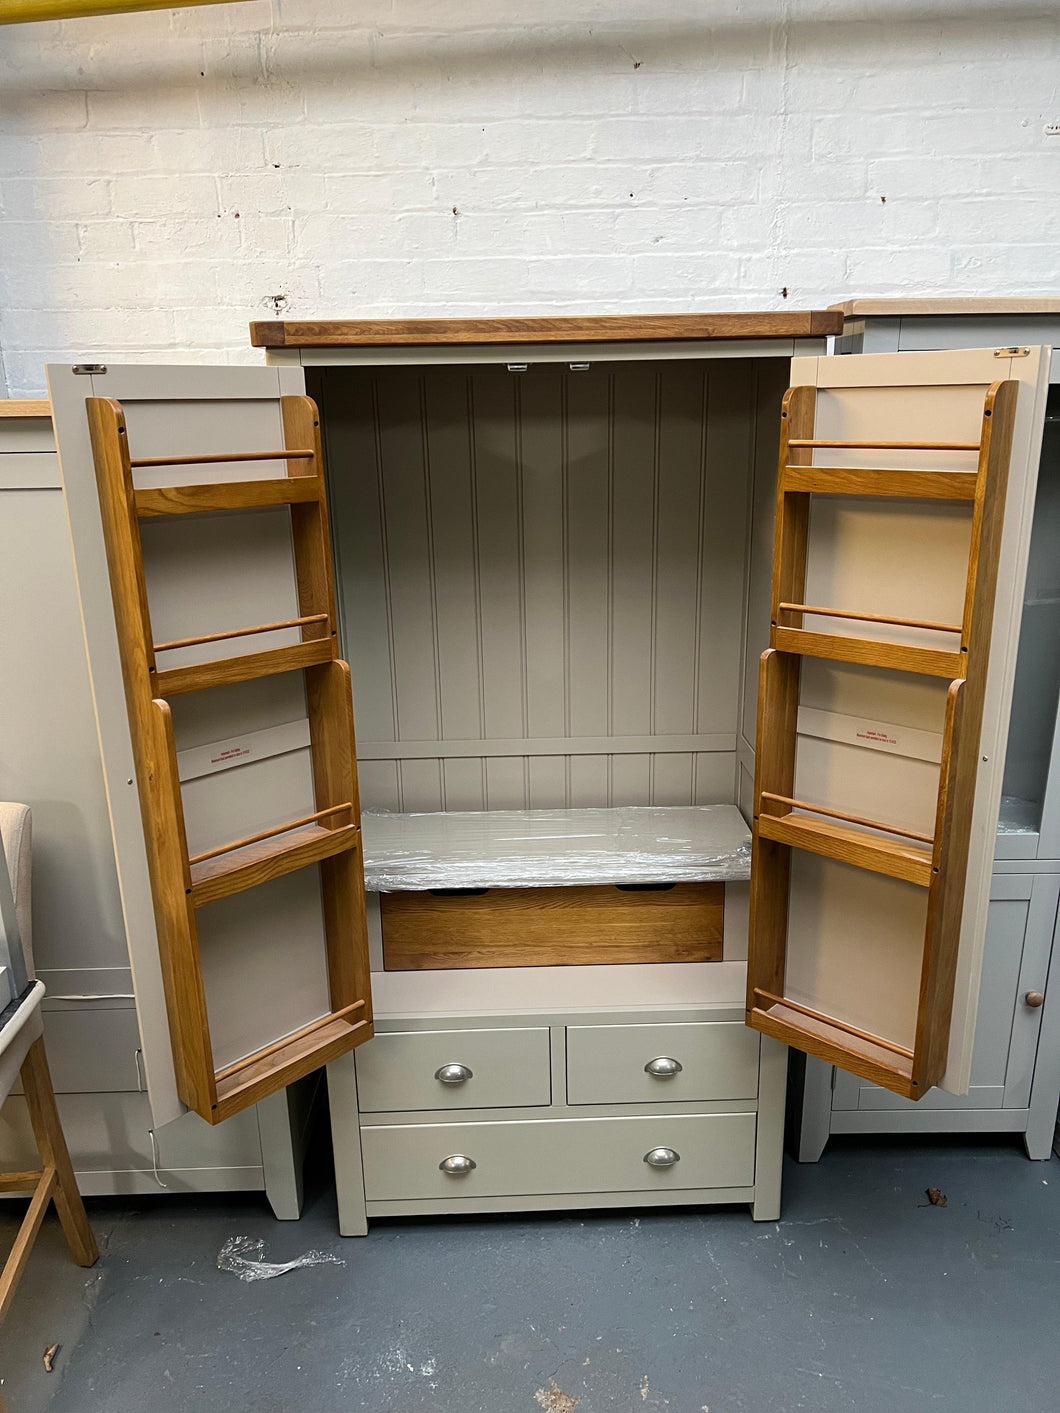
[
  {"x": 88, "y": 369},
  {"x": 1014, "y": 352}
]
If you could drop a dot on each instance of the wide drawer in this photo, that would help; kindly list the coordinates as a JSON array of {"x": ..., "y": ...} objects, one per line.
[
  {"x": 606, "y": 1063},
  {"x": 533, "y": 1157},
  {"x": 540, "y": 927},
  {"x": 398, "y": 1070}
]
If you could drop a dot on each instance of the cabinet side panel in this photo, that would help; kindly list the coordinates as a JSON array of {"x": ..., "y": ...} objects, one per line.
[
  {"x": 50, "y": 760},
  {"x": 771, "y": 381},
  {"x": 1032, "y": 373}
]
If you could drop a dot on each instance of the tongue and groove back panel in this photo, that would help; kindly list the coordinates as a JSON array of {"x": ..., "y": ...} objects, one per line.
[{"x": 542, "y": 577}]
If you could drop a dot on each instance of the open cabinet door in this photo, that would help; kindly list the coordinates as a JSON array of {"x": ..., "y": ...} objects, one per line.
[
  {"x": 904, "y": 502},
  {"x": 198, "y": 515}
]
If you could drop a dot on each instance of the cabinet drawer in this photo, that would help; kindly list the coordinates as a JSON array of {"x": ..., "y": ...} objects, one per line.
[
  {"x": 112, "y": 1132},
  {"x": 606, "y": 1063},
  {"x": 91, "y": 1051},
  {"x": 534, "y": 1157},
  {"x": 398, "y": 1070},
  {"x": 540, "y": 927}
]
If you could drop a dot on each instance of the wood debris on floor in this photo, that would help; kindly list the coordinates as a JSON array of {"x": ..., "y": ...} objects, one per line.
[{"x": 554, "y": 1400}]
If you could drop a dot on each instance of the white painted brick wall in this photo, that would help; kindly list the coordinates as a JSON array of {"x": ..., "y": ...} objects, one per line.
[{"x": 162, "y": 175}]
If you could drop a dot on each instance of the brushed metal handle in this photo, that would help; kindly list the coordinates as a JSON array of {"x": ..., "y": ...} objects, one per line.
[
  {"x": 662, "y": 1158},
  {"x": 453, "y": 1074},
  {"x": 663, "y": 1067},
  {"x": 1034, "y": 999},
  {"x": 457, "y": 1165}
]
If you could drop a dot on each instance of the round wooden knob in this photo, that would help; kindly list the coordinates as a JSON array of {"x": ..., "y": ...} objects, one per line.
[{"x": 1034, "y": 999}]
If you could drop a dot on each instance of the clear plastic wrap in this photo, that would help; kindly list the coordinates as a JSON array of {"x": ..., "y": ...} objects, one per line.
[
  {"x": 554, "y": 848},
  {"x": 1018, "y": 816},
  {"x": 244, "y": 1257}
]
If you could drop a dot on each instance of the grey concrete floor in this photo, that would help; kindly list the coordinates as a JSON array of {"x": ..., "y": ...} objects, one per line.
[{"x": 864, "y": 1297}]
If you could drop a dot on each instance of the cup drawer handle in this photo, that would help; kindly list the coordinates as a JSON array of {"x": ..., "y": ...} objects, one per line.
[
  {"x": 663, "y": 1067},
  {"x": 453, "y": 1074},
  {"x": 457, "y": 1165},
  {"x": 662, "y": 1158}
]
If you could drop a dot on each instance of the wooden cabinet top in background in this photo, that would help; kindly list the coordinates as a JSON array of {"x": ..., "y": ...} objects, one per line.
[{"x": 970, "y": 306}]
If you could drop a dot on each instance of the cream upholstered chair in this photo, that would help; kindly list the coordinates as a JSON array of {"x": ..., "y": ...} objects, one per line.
[{"x": 22, "y": 1052}]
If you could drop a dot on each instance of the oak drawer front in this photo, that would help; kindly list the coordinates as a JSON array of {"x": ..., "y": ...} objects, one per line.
[
  {"x": 606, "y": 1063},
  {"x": 534, "y": 1157},
  {"x": 536, "y": 927},
  {"x": 399, "y": 1070}
]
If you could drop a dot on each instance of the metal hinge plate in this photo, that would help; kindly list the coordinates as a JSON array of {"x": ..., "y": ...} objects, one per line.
[
  {"x": 88, "y": 369},
  {"x": 1014, "y": 352}
]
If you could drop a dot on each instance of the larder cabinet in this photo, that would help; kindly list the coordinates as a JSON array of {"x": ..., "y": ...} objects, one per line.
[{"x": 553, "y": 553}]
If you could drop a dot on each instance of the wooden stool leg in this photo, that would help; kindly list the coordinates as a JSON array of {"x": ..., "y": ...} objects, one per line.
[
  {"x": 27, "y": 1235},
  {"x": 51, "y": 1143}
]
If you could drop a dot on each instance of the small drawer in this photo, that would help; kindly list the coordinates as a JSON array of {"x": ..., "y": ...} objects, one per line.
[
  {"x": 400, "y": 1070},
  {"x": 698, "y": 1062},
  {"x": 535, "y": 1157}
]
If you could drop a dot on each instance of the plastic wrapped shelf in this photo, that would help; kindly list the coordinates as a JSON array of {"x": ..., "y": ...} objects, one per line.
[{"x": 554, "y": 848}]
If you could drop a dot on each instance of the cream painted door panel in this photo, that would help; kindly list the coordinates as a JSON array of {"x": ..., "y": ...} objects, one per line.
[
  {"x": 223, "y": 408},
  {"x": 536, "y": 1157},
  {"x": 888, "y": 637},
  {"x": 484, "y": 1069},
  {"x": 608, "y": 1064},
  {"x": 258, "y": 955}
]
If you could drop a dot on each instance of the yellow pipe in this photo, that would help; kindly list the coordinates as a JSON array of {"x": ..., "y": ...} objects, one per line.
[{"x": 15, "y": 12}]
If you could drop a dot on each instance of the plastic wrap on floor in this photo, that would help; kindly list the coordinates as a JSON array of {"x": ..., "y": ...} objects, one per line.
[
  {"x": 243, "y": 1256},
  {"x": 555, "y": 848}
]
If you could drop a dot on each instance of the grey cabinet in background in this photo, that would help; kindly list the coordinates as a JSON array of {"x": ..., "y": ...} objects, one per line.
[{"x": 1015, "y": 964}]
